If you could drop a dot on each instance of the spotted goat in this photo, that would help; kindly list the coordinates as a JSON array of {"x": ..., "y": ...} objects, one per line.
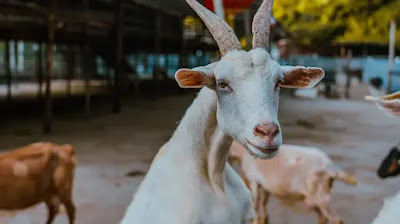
[
  {"x": 296, "y": 174},
  {"x": 40, "y": 172}
]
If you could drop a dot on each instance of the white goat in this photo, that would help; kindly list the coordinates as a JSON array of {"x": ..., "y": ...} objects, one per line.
[
  {"x": 390, "y": 104},
  {"x": 389, "y": 213},
  {"x": 189, "y": 181},
  {"x": 296, "y": 174}
]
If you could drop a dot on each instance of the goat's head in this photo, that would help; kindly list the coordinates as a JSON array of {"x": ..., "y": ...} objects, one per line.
[
  {"x": 390, "y": 165},
  {"x": 247, "y": 83}
]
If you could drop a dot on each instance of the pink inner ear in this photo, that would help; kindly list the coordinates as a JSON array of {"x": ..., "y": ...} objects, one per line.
[
  {"x": 301, "y": 77},
  {"x": 190, "y": 78}
]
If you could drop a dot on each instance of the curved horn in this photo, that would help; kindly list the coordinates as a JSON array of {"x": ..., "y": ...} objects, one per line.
[
  {"x": 261, "y": 25},
  {"x": 222, "y": 33}
]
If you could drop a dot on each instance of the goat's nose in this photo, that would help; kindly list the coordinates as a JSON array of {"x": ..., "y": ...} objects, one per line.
[{"x": 266, "y": 130}]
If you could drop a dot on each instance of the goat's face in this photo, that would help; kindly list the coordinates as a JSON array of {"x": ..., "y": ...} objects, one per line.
[
  {"x": 247, "y": 85},
  {"x": 390, "y": 165}
]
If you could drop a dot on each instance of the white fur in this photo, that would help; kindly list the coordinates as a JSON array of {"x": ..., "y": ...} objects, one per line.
[
  {"x": 389, "y": 213},
  {"x": 181, "y": 187},
  {"x": 189, "y": 181}
]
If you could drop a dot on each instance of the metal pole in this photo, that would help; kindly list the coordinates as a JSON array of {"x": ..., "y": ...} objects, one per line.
[
  {"x": 392, "y": 42},
  {"x": 219, "y": 8},
  {"x": 348, "y": 75}
]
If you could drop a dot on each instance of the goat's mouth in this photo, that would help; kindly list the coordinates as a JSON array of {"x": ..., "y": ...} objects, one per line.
[{"x": 269, "y": 150}]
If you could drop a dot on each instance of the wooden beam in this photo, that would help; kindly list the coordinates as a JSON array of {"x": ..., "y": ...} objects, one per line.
[
  {"x": 8, "y": 69},
  {"x": 119, "y": 15},
  {"x": 48, "y": 107}
]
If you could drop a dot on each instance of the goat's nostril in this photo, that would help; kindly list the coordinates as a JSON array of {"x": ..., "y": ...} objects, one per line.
[
  {"x": 266, "y": 130},
  {"x": 276, "y": 132},
  {"x": 260, "y": 131}
]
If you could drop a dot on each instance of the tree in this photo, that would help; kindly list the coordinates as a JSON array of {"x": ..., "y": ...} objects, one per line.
[{"x": 315, "y": 23}]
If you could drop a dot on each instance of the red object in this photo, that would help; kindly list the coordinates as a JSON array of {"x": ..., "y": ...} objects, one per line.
[{"x": 230, "y": 6}]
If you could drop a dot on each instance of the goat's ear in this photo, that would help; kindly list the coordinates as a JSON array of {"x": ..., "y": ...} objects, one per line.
[
  {"x": 197, "y": 77},
  {"x": 390, "y": 104},
  {"x": 301, "y": 77},
  {"x": 188, "y": 78}
]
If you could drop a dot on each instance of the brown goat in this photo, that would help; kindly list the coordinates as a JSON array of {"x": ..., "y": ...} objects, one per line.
[{"x": 40, "y": 172}]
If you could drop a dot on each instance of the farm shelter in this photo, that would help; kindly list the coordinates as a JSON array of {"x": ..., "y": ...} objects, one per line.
[
  {"x": 55, "y": 49},
  {"x": 48, "y": 44}
]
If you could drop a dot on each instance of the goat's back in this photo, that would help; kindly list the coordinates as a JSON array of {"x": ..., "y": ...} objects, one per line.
[
  {"x": 288, "y": 173},
  {"x": 31, "y": 174}
]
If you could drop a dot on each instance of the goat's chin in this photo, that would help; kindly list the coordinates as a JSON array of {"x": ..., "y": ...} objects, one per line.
[{"x": 261, "y": 155}]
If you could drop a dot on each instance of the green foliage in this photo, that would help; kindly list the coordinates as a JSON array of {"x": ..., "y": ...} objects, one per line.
[{"x": 318, "y": 22}]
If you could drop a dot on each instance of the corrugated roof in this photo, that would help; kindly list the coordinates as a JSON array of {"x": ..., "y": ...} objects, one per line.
[{"x": 173, "y": 6}]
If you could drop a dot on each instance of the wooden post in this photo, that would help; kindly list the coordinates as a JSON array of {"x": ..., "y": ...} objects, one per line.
[
  {"x": 8, "y": 70},
  {"x": 119, "y": 15},
  {"x": 40, "y": 70},
  {"x": 182, "y": 63},
  {"x": 86, "y": 75},
  {"x": 136, "y": 78},
  {"x": 109, "y": 78},
  {"x": 166, "y": 65},
  {"x": 392, "y": 42},
  {"x": 48, "y": 108},
  {"x": 16, "y": 60},
  {"x": 157, "y": 51},
  {"x": 71, "y": 69},
  {"x": 85, "y": 69}
]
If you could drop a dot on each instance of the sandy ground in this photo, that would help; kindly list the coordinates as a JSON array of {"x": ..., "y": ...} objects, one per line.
[{"x": 354, "y": 133}]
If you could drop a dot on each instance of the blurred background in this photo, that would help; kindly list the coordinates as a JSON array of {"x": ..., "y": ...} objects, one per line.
[{"x": 99, "y": 74}]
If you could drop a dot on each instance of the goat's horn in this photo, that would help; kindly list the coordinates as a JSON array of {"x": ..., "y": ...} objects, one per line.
[
  {"x": 223, "y": 34},
  {"x": 261, "y": 25}
]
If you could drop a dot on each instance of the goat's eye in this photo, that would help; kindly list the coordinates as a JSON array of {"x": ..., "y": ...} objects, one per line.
[
  {"x": 278, "y": 84},
  {"x": 224, "y": 86}
]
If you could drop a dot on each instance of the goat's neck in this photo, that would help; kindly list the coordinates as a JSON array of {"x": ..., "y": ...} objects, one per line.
[
  {"x": 194, "y": 135},
  {"x": 217, "y": 159},
  {"x": 194, "y": 131}
]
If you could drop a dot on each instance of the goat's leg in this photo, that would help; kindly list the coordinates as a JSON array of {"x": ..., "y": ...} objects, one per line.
[
  {"x": 53, "y": 204},
  {"x": 70, "y": 209},
  {"x": 264, "y": 207},
  {"x": 326, "y": 212},
  {"x": 257, "y": 193},
  {"x": 66, "y": 199},
  {"x": 321, "y": 218}
]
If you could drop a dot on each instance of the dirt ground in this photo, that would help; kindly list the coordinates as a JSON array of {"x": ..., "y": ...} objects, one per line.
[{"x": 354, "y": 133}]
